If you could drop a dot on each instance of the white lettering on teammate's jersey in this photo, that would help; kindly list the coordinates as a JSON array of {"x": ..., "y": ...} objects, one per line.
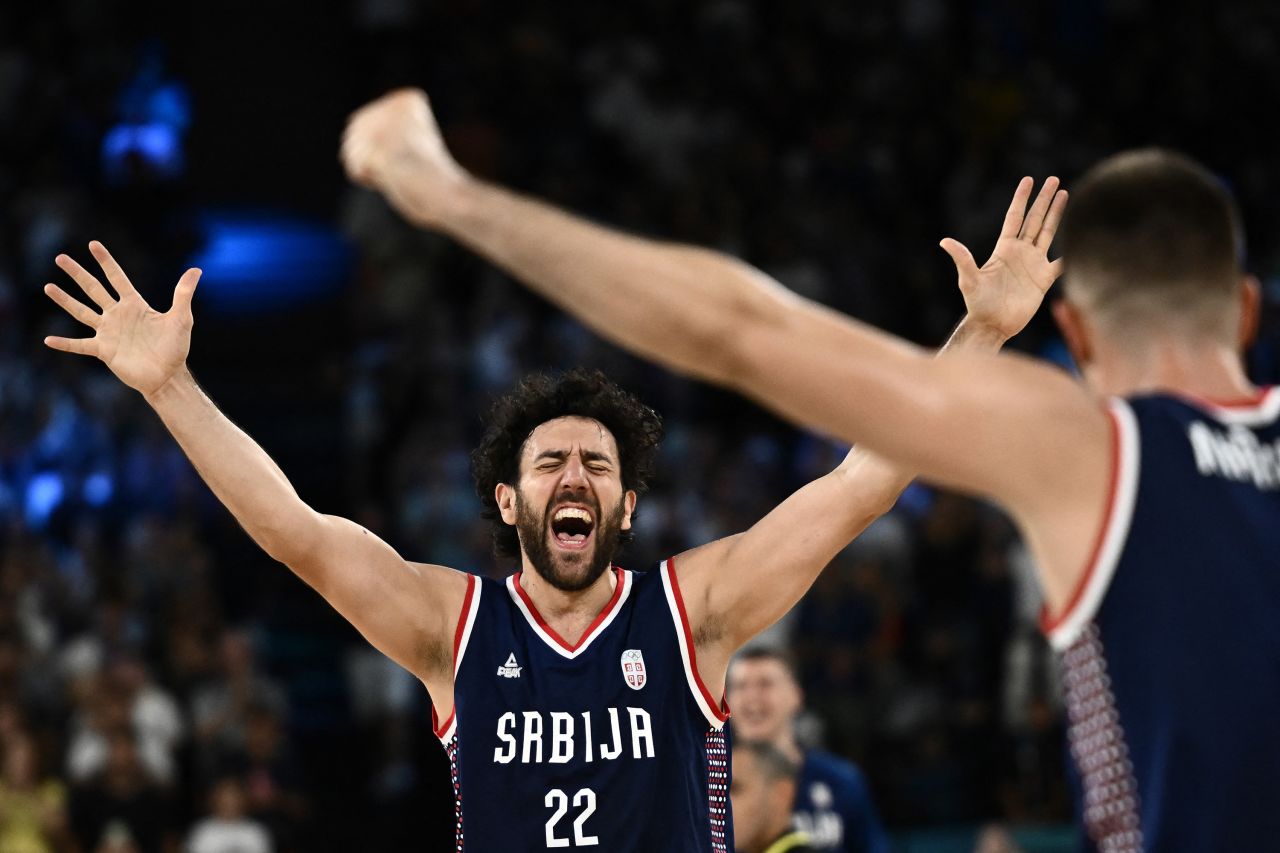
[
  {"x": 823, "y": 825},
  {"x": 523, "y": 736},
  {"x": 1236, "y": 455}
]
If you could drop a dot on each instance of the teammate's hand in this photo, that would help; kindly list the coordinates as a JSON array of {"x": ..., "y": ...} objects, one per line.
[
  {"x": 1005, "y": 292},
  {"x": 141, "y": 346},
  {"x": 393, "y": 145}
]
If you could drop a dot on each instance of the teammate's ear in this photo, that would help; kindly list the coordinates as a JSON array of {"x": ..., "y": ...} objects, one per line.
[
  {"x": 506, "y": 497},
  {"x": 1074, "y": 331},
  {"x": 628, "y": 507},
  {"x": 1250, "y": 311}
]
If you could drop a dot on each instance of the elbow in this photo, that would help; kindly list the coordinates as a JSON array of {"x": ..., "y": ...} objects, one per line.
[
  {"x": 722, "y": 340},
  {"x": 716, "y": 354},
  {"x": 881, "y": 509},
  {"x": 290, "y": 537},
  {"x": 871, "y": 511}
]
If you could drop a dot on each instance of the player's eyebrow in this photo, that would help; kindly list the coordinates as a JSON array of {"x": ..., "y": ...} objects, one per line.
[{"x": 587, "y": 456}]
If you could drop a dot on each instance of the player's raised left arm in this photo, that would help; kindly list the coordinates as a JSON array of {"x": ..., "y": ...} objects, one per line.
[
  {"x": 407, "y": 610},
  {"x": 738, "y": 586}
]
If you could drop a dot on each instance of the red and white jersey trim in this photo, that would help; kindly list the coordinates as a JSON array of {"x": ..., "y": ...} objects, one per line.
[
  {"x": 621, "y": 590},
  {"x": 461, "y": 635},
  {"x": 1063, "y": 630},
  {"x": 715, "y": 712},
  {"x": 1263, "y": 409}
]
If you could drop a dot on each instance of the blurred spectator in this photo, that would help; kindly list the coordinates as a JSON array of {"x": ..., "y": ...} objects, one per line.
[
  {"x": 220, "y": 708},
  {"x": 122, "y": 807},
  {"x": 832, "y": 804},
  {"x": 117, "y": 631},
  {"x": 762, "y": 788},
  {"x": 269, "y": 776},
  {"x": 228, "y": 829},
  {"x": 112, "y": 706},
  {"x": 33, "y": 815},
  {"x": 153, "y": 712}
]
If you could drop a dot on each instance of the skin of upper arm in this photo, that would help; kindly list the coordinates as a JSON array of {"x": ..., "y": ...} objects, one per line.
[{"x": 408, "y": 611}]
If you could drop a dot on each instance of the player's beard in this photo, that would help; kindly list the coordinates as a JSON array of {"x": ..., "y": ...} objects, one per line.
[{"x": 557, "y": 569}]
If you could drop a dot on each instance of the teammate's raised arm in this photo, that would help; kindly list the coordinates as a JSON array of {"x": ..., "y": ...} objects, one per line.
[
  {"x": 711, "y": 316},
  {"x": 406, "y": 610}
]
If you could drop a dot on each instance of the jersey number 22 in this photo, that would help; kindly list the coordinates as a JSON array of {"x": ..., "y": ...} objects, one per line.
[{"x": 585, "y": 800}]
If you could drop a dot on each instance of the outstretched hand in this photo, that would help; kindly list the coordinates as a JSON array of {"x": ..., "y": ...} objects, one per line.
[
  {"x": 143, "y": 347},
  {"x": 1005, "y": 292}
]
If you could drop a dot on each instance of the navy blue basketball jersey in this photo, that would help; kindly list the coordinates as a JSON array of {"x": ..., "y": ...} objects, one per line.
[
  {"x": 1171, "y": 644},
  {"x": 833, "y": 807},
  {"x": 612, "y": 744}
]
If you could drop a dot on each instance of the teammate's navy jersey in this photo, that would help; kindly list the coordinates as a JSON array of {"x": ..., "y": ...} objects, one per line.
[
  {"x": 613, "y": 744},
  {"x": 1172, "y": 641},
  {"x": 833, "y": 807}
]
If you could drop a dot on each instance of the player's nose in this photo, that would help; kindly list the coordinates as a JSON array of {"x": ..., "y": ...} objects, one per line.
[{"x": 575, "y": 474}]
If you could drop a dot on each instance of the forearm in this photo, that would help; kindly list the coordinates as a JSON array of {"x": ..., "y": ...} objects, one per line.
[{"x": 237, "y": 470}]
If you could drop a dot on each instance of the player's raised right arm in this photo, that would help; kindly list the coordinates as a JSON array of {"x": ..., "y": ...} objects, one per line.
[{"x": 406, "y": 610}]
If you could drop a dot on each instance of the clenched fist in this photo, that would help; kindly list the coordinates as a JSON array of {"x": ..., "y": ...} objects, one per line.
[{"x": 393, "y": 145}]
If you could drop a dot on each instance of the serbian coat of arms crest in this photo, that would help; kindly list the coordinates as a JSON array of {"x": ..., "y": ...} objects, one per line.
[{"x": 633, "y": 668}]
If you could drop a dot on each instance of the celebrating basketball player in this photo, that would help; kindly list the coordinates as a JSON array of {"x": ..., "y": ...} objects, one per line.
[{"x": 1150, "y": 493}]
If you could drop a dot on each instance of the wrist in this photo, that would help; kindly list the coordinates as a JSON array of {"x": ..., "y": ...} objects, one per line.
[
  {"x": 435, "y": 199},
  {"x": 178, "y": 382},
  {"x": 976, "y": 334}
]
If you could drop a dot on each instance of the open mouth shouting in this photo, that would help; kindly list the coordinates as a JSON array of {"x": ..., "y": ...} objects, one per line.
[{"x": 572, "y": 527}]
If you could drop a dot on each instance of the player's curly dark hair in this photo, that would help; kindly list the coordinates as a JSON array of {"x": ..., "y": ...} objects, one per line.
[{"x": 539, "y": 398}]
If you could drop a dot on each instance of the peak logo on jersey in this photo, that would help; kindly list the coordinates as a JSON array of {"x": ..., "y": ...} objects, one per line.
[
  {"x": 633, "y": 668},
  {"x": 510, "y": 669}
]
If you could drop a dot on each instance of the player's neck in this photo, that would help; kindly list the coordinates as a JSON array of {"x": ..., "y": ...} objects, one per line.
[
  {"x": 1204, "y": 368},
  {"x": 568, "y": 613}
]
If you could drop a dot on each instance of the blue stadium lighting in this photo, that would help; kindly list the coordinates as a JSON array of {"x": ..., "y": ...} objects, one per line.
[
  {"x": 261, "y": 261},
  {"x": 44, "y": 494},
  {"x": 157, "y": 145},
  {"x": 98, "y": 488}
]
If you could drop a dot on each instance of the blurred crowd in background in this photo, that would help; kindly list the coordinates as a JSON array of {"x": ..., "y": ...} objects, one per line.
[{"x": 163, "y": 685}]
